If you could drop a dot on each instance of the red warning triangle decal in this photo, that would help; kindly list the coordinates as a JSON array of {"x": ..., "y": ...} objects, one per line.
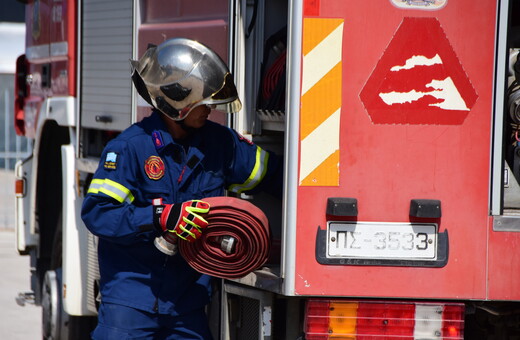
[{"x": 419, "y": 79}]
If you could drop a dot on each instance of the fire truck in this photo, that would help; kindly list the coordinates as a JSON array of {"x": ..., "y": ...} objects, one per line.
[{"x": 398, "y": 122}]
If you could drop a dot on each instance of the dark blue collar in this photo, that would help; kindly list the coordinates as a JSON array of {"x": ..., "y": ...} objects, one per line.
[{"x": 157, "y": 129}]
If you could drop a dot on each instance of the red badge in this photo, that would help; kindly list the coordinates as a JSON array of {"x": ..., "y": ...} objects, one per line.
[{"x": 154, "y": 167}]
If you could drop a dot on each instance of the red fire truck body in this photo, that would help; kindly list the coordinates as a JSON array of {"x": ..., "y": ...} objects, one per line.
[
  {"x": 417, "y": 146},
  {"x": 398, "y": 123}
]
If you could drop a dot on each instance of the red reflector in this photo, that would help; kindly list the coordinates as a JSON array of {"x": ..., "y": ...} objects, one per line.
[
  {"x": 385, "y": 319},
  {"x": 453, "y": 322},
  {"x": 19, "y": 187},
  {"x": 317, "y": 325}
]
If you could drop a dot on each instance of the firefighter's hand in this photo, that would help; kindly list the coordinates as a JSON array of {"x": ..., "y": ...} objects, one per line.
[{"x": 186, "y": 220}]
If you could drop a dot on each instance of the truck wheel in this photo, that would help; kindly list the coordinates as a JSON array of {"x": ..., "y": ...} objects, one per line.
[
  {"x": 56, "y": 323},
  {"x": 51, "y": 319}
]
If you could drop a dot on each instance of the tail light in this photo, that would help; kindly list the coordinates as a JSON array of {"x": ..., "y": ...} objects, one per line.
[
  {"x": 19, "y": 187},
  {"x": 376, "y": 320}
]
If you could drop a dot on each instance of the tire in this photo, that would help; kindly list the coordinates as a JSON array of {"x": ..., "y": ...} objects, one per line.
[
  {"x": 51, "y": 319},
  {"x": 56, "y": 323}
]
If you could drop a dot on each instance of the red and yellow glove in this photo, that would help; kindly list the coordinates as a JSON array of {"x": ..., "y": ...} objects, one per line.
[{"x": 186, "y": 220}]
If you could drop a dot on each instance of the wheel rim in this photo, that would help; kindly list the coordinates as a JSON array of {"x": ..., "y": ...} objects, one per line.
[{"x": 50, "y": 306}]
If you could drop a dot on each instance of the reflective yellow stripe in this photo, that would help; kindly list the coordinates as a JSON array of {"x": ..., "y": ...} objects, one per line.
[
  {"x": 94, "y": 186},
  {"x": 256, "y": 175},
  {"x": 112, "y": 189}
]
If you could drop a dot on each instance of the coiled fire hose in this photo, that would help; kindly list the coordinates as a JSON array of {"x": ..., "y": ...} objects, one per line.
[{"x": 235, "y": 242}]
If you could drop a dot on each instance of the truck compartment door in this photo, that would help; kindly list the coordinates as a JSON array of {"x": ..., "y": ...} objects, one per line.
[{"x": 25, "y": 237}]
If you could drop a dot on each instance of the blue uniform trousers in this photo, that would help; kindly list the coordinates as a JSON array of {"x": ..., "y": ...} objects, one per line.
[{"x": 121, "y": 322}]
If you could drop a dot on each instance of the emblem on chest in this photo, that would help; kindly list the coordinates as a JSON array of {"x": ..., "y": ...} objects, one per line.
[{"x": 154, "y": 167}]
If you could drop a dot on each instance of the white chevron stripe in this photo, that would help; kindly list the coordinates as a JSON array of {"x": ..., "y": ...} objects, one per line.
[
  {"x": 322, "y": 59},
  {"x": 319, "y": 144}
]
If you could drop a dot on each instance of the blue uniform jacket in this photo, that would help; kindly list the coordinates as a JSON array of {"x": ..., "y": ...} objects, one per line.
[{"x": 144, "y": 163}]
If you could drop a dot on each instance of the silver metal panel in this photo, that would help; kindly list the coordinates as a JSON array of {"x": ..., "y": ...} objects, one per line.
[
  {"x": 498, "y": 123},
  {"x": 106, "y": 46},
  {"x": 117, "y": 31},
  {"x": 294, "y": 43},
  {"x": 102, "y": 73},
  {"x": 506, "y": 223},
  {"x": 98, "y": 42},
  {"x": 101, "y": 92},
  {"x": 103, "y": 5},
  {"x": 112, "y": 108},
  {"x": 108, "y": 82},
  {"x": 92, "y": 272}
]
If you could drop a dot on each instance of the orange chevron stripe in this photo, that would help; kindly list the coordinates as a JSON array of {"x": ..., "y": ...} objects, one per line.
[
  {"x": 326, "y": 174},
  {"x": 322, "y": 100},
  {"x": 315, "y": 30}
]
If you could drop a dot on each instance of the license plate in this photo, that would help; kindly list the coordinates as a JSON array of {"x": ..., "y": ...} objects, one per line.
[{"x": 382, "y": 240}]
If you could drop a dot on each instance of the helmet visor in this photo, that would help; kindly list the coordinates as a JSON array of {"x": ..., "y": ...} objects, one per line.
[
  {"x": 230, "y": 107},
  {"x": 225, "y": 98}
]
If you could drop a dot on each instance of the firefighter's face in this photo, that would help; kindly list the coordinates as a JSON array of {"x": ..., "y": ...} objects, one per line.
[{"x": 197, "y": 117}]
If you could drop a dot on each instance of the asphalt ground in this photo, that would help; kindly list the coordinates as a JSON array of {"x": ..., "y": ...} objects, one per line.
[{"x": 16, "y": 322}]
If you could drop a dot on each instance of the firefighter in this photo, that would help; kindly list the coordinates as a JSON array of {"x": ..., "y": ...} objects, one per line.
[{"x": 151, "y": 182}]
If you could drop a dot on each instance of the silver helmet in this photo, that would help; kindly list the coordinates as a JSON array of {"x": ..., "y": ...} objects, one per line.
[{"x": 181, "y": 74}]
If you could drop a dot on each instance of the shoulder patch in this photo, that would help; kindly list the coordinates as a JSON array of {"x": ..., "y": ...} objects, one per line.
[
  {"x": 154, "y": 167},
  {"x": 157, "y": 139},
  {"x": 111, "y": 161}
]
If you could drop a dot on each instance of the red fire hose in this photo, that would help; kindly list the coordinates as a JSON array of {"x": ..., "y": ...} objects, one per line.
[{"x": 236, "y": 218}]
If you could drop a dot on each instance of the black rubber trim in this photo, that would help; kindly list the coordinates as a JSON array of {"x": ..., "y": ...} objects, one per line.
[
  {"x": 425, "y": 208},
  {"x": 342, "y": 206}
]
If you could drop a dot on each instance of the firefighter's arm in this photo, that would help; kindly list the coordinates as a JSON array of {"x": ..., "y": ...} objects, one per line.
[
  {"x": 117, "y": 222},
  {"x": 109, "y": 210},
  {"x": 254, "y": 169}
]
